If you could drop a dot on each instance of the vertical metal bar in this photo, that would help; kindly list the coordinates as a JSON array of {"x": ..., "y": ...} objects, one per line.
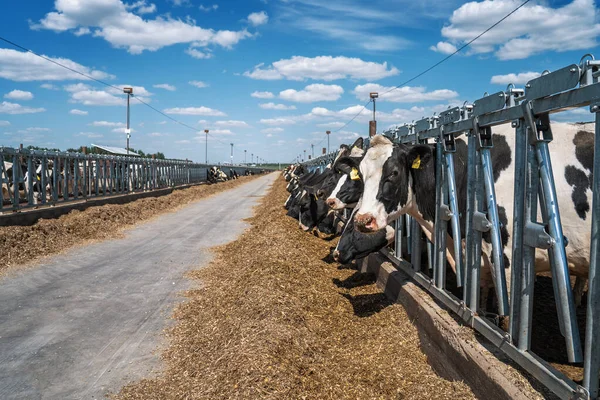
[
  {"x": 560, "y": 273},
  {"x": 408, "y": 225},
  {"x": 415, "y": 255},
  {"x": 470, "y": 211},
  {"x": 439, "y": 261},
  {"x": 16, "y": 169},
  {"x": 30, "y": 179},
  {"x": 97, "y": 177},
  {"x": 55, "y": 179},
  {"x": 591, "y": 362},
  {"x": 399, "y": 225},
  {"x": 454, "y": 220},
  {"x": 477, "y": 239},
  {"x": 85, "y": 176},
  {"x": 75, "y": 178},
  {"x": 43, "y": 179},
  {"x": 497, "y": 253}
]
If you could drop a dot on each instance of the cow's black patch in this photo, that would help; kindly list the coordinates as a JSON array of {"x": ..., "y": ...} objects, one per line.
[
  {"x": 580, "y": 182},
  {"x": 501, "y": 155},
  {"x": 578, "y": 179}
]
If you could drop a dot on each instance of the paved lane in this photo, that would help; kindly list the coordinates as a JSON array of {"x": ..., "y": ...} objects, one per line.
[{"x": 87, "y": 322}]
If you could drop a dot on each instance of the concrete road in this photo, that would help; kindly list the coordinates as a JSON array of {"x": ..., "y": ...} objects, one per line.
[{"x": 85, "y": 323}]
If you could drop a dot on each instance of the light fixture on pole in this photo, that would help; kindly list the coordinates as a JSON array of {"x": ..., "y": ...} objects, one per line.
[
  {"x": 251, "y": 158},
  {"x": 328, "y": 133},
  {"x": 231, "y": 153},
  {"x": 206, "y": 147},
  {"x": 312, "y": 150},
  {"x": 304, "y": 159},
  {"x": 373, "y": 124},
  {"x": 129, "y": 92},
  {"x": 245, "y": 157}
]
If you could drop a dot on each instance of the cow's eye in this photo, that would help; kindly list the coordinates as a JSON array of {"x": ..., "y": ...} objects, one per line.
[{"x": 395, "y": 173}]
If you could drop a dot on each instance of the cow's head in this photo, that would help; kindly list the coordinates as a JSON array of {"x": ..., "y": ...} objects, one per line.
[
  {"x": 354, "y": 244},
  {"x": 349, "y": 186},
  {"x": 387, "y": 174}
]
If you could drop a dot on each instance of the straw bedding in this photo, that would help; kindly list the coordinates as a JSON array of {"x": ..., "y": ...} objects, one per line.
[
  {"x": 22, "y": 245},
  {"x": 270, "y": 319}
]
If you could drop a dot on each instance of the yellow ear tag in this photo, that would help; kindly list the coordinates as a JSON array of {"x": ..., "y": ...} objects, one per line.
[
  {"x": 354, "y": 175},
  {"x": 417, "y": 163}
]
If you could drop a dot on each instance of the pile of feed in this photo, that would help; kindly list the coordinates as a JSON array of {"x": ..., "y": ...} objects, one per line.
[
  {"x": 22, "y": 245},
  {"x": 272, "y": 319}
]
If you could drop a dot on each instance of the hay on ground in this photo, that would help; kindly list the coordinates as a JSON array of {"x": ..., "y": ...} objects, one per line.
[{"x": 273, "y": 321}]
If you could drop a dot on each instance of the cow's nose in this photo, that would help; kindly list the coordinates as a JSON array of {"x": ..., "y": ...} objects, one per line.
[
  {"x": 336, "y": 256},
  {"x": 330, "y": 203},
  {"x": 366, "y": 222}
]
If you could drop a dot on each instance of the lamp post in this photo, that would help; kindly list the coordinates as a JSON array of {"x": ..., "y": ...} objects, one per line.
[
  {"x": 373, "y": 124},
  {"x": 328, "y": 133},
  {"x": 312, "y": 150},
  {"x": 231, "y": 153},
  {"x": 251, "y": 158},
  {"x": 245, "y": 157},
  {"x": 206, "y": 147},
  {"x": 129, "y": 92},
  {"x": 304, "y": 159}
]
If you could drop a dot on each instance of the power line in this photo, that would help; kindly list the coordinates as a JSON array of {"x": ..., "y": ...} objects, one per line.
[
  {"x": 105, "y": 84},
  {"x": 437, "y": 63}
]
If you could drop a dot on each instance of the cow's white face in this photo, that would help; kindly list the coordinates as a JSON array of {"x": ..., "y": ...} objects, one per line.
[
  {"x": 372, "y": 210},
  {"x": 332, "y": 201}
]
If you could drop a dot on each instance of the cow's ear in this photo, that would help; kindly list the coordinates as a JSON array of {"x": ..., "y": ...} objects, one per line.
[
  {"x": 418, "y": 156},
  {"x": 358, "y": 144},
  {"x": 345, "y": 165}
]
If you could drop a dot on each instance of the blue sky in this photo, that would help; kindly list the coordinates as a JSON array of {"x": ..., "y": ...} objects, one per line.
[{"x": 270, "y": 76}]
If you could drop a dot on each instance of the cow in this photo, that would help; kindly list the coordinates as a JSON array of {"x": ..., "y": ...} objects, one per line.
[{"x": 396, "y": 184}]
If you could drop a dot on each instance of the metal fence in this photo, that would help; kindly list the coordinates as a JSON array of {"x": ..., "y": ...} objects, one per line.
[
  {"x": 528, "y": 111},
  {"x": 33, "y": 178}
]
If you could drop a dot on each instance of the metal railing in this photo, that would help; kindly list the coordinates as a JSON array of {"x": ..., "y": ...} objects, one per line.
[
  {"x": 528, "y": 111},
  {"x": 34, "y": 178}
]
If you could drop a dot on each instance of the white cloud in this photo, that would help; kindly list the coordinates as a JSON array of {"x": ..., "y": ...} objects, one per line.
[
  {"x": 397, "y": 115},
  {"x": 13, "y": 108},
  {"x": 272, "y": 130},
  {"x": 444, "y": 48},
  {"x": 332, "y": 125},
  {"x": 18, "y": 95},
  {"x": 4, "y": 123},
  {"x": 78, "y": 112},
  {"x": 122, "y": 130},
  {"x": 141, "y": 7},
  {"x": 325, "y": 68},
  {"x": 278, "y": 121},
  {"x": 91, "y": 135},
  {"x": 34, "y": 130},
  {"x": 208, "y": 112},
  {"x": 262, "y": 95},
  {"x": 165, "y": 86},
  {"x": 405, "y": 94},
  {"x": 185, "y": 141},
  {"x": 115, "y": 23},
  {"x": 517, "y": 79},
  {"x": 49, "y": 86},
  {"x": 86, "y": 95},
  {"x": 231, "y": 123},
  {"x": 208, "y": 8},
  {"x": 220, "y": 132},
  {"x": 200, "y": 55},
  {"x": 157, "y": 134},
  {"x": 312, "y": 93},
  {"x": 107, "y": 124},
  {"x": 258, "y": 18},
  {"x": 533, "y": 29},
  {"x": 273, "y": 106},
  {"x": 23, "y": 67},
  {"x": 199, "y": 84}
]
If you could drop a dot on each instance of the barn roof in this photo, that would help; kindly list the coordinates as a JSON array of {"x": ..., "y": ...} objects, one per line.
[{"x": 116, "y": 150}]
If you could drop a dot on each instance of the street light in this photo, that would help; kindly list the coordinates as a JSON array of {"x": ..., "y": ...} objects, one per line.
[
  {"x": 129, "y": 92},
  {"x": 206, "y": 147},
  {"x": 245, "y": 157},
  {"x": 251, "y": 158},
  {"x": 328, "y": 133},
  {"x": 312, "y": 150},
  {"x": 373, "y": 124},
  {"x": 231, "y": 153}
]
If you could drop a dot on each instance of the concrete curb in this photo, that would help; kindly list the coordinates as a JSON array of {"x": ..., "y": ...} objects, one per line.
[{"x": 452, "y": 349}]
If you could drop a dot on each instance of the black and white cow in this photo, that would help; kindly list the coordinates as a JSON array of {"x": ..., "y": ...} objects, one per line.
[{"x": 393, "y": 187}]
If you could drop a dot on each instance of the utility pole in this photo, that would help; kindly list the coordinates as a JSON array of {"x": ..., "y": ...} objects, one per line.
[
  {"x": 373, "y": 124},
  {"x": 304, "y": 159},
  {"x": 129, "y": 92},
  {"x": 206, "y": 147},
  {"x": 251, "y": 158},
  {"x": 245, "y": 157},
  {"x": 312, "y": 150},
  {"x": 328, "y": 133},
  {"x": 231, "y": 153}
]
